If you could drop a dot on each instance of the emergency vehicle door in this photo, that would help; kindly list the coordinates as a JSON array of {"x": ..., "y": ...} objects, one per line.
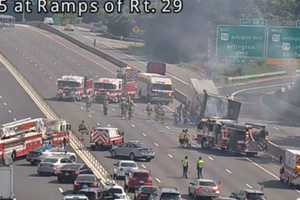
[{"x": 233, "y": 110}]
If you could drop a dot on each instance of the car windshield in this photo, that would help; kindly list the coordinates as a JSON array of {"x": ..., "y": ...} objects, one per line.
[
  {"x": 71, "y": 167},
  {"x": 170, "y": 196},
  {"x": 142, "y": 175},
  {"x": 50, "y": 160},
  {"x": 207, "y": 183},
  {"x": 115, "y": 190},
  {"x": 140, "y": 145},
  {"x": 161, "y": 87},
  {"x": 255, "y": 196},
  {"x": 62, "y": 84},
  {"x": 107, "y": 86},
  {"x": 128, "y": 164},
  {"x": 149, "y": 190},
  {"x": 86, "y": 178}
]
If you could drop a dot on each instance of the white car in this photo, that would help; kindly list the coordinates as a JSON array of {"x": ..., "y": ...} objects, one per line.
[
  {"x": 48, "y": 20},
  {"x": 59, "y": 152},
  {"x": 50, "y": 165},
  {"x": 75, "y": 197},
  {"x": 118, "y": 192},
  {"x": 123, "y": 167}
]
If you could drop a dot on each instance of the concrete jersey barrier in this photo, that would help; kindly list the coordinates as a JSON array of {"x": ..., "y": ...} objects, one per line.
[{"x": 255, "y": 76}]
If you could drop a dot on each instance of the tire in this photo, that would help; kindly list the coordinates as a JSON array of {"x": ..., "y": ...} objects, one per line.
[
  {"x": 14, "y": 155},
  {"x": 113, "y": 154},
  {"x": 131, "y": 156}
]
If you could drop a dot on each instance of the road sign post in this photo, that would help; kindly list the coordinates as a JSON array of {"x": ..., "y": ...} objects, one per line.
[{"x": 241, "y": 41}]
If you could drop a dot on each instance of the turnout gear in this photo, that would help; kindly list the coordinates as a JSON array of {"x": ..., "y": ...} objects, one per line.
[{"x": 82, "y": 128}]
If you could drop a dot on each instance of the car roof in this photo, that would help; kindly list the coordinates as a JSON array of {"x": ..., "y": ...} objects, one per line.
[
  {"x": 127, "y": 161},
  {"x": 254, "y": 191},
  {"x": 169, "y": 190},
  {"x": 140, "y": 170},
  {"x": 116, "y": 187},
  {"x": 205, "y": 180},
  {"x": 75, "y": 196}
]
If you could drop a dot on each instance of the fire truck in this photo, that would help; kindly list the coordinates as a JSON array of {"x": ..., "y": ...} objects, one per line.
[
  {"x": 74, "y": 88},
  {"x": 129, "y": 76},
  {"x": 228, "y": 135},
  {"x": 112, "y": 87},
  {"x": 105, "y": 137},
  {"x": 20, "y": 137}
]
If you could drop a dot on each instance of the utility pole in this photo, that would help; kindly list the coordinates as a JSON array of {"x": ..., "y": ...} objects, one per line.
[{"x": 23, "y": 13}]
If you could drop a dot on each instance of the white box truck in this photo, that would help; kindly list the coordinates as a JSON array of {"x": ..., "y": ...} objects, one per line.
[
  {"x": 6, "y": 183},
  {"x": 290, "y": 171}
]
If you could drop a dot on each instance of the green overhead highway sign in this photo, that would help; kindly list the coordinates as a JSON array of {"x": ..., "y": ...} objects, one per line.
[
  {"x": 283, "y": 42},
  {"x": 241, "y": 41},
  {"x": 253, "y": 21}
]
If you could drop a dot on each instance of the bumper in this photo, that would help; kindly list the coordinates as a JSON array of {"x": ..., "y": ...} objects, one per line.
[
  {"x": 45, "y": 171},
  {"x": 207, "y": 194}
]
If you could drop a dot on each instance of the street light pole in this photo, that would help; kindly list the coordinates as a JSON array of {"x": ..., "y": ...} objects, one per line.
[{"x": 23, "y": 13}]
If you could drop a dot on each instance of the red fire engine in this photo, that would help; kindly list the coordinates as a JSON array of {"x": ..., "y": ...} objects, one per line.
[
  {"x": 227, "y": 135},
  {"x": 20, "y": 137},
  {"x": 105, "y": 137},
  {"x": 129, "y": 77},
  {"x": 74, "y": 87},
  {"x": 112, "y": 87}
]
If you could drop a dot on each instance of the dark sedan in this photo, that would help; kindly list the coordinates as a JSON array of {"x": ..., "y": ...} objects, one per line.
[{"x": 68, "y": 173}]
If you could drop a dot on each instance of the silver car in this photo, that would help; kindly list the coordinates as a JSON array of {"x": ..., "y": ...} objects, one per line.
[
  {"x": 203, "y": 188},
  {"x": 133, "y": 150},
  {"x": 123, "y": 167},
  {"x": 50, "y": 165}
]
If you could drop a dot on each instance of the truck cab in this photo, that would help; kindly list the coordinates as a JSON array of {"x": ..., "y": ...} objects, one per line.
[
  {"x": 112, "y": 87},
  {"x": 105, "y": 137}
]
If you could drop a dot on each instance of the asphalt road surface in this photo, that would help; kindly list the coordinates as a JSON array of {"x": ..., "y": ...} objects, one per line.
[
  {"x": 16, "y": 104},
  {"x": 42, "y": 57}
]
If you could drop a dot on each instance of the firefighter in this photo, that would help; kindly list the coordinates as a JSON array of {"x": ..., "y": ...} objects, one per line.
[
  {"x": 105, "y": 104},
  {"x": 185, "y": 167},
  {"x": 88, "y": 104},
  {"x": 130, "y": 108},
  {"x": 200, "y": 165},
  {"x": 82, "y": 128},
  {"x": 149, "y": 110},
  {"x": 186, "y": 138},
  {"x": 123, "y": 108},
  {"x": 65, "y": 144},
  {"x": 161, "y": 114},
  {"x": 179, "y": 112},
  {"x": 181, "y": 137}
]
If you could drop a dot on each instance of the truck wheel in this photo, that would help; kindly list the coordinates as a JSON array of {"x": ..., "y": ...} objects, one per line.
[{"x": 14, "y": 155}]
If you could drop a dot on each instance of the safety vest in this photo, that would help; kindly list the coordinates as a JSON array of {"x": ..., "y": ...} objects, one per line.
[
  {"x": 185, "y": 163},
  {"x": 200, "y": 163}
]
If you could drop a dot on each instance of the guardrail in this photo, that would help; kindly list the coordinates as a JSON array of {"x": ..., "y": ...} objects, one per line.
[{"x": 255, "y": 76}]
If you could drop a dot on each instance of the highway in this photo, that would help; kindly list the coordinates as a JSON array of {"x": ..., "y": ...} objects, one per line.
[
  {"x": 16, "y": 104},
  {"x": 43, "y": 57}
]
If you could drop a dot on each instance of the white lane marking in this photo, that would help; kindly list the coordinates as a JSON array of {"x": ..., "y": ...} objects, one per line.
[
  {"x": 90, "y": 116},
  {"x": 228, "y": 171},
  {"x": 10, "y": 111},
  {"x": 132, "y": 125},
  {"x": 170, "y": 156},
  {"x": 157, "y": 179},
  {"x": 167, "y": 127},
  {"x": 143, "y": 166},
  {"x": 61, "y": 190},
  {"x": 256, "y": 88},
  {"x": 113, "y": 109},
  {"x": 249, "y": 186},
  {"x": 0, "y": 97},
  {"x": 262, "y": 168},
  {"x": 210, "y": 158},
  {"x": 5, "y": 103},
  {"x": 156, "y": 144},
  {"x": 81, "y": 108},
  {"x": 144, "y": 134}
]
